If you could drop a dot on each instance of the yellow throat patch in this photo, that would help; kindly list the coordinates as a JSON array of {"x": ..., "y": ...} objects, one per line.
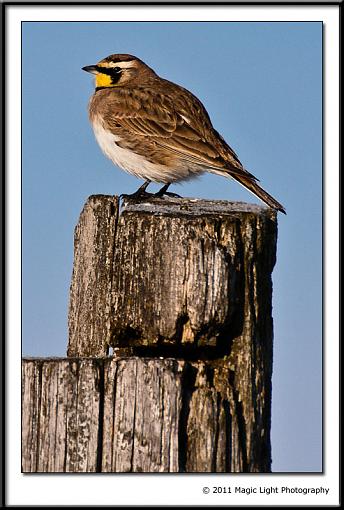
[{"x": 103, "y": 80}]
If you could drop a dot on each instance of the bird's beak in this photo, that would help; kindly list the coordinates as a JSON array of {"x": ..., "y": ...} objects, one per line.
[{"x": 90, "y": 69}]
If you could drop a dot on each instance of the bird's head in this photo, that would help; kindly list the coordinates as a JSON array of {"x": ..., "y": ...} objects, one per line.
[{"x": 119, "y": 70}]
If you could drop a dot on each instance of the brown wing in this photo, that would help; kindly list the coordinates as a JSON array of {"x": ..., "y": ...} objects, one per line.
[{"x": 176, "y": 124}]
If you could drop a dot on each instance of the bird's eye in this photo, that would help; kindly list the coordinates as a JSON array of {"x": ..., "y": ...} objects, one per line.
[{"x": 117, "y": 69}]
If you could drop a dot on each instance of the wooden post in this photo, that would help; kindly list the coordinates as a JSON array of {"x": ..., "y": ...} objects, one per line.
[{"x": 180, "y": 290}]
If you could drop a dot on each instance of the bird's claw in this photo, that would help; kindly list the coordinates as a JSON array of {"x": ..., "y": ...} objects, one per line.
[
  {"x": 141, "y": 195},
  {"x": 137, "y": 196},
  {"x": 169, "y": 194}
]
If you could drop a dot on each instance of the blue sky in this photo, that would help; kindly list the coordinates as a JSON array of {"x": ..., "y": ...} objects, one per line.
[{"x": 261, "y": 85}]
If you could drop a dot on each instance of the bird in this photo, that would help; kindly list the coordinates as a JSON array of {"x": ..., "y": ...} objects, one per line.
[{"x": 159, "y": 131}]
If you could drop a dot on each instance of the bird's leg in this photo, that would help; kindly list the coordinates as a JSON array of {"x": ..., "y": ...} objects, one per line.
[
  {"x": 163, "y": 191},
  {"x": 143, "y": 187},
  {"x": 140, "y": 194}
]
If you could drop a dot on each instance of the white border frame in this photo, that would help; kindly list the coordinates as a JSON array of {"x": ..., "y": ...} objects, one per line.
[{"x": 121, "y": 489}]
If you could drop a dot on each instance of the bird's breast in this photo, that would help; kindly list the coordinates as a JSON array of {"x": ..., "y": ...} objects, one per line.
[{"x": 127, "y": 159}]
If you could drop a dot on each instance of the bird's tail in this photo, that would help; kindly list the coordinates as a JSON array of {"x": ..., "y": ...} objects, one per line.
[{"x": 251, "y": 185}]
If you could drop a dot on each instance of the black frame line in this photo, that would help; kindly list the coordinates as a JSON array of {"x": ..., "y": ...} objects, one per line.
[{"x": 3, "y": 210}]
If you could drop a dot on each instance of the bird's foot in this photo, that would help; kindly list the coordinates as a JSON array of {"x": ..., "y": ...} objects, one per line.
[
  {"x": 168, "y": 194},
  {"x": 141, "y": 194},
  {"x": 163, "y": 191},
  {"x": 138, "y": 196}
]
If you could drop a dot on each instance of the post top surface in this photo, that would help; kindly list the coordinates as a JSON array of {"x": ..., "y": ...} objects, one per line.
[{"x": 193, "y": 207}]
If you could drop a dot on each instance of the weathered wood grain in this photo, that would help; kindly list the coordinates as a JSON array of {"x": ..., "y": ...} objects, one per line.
[
  {"x": 176, "y": 274},
  {"x": 142, "y": 404},
  {"x": 90, "y": 290},
  {"x": 60, "y": 430},
  {"x": 137, "y": 415},
  {"x": 181, "y": 290},
  {"x": 31, "y": 403}
]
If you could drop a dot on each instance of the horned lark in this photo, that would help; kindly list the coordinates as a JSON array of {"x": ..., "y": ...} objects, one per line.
[{"x": 157, "y": 130}]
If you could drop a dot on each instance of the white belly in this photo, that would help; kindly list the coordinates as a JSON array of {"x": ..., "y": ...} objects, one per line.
[{"x": 129, "y": 161}]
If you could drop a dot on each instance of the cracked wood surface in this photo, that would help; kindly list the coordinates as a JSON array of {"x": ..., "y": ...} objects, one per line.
[
  {"x": 60, "y": 415},
  {"x": 169, "y": 273},
  {"x": 181, "y": 290},
  {"x": 136, "y": 415}
]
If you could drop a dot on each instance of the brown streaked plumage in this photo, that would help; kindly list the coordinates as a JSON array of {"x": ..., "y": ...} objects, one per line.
[{"x": 158, "y": 130}]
